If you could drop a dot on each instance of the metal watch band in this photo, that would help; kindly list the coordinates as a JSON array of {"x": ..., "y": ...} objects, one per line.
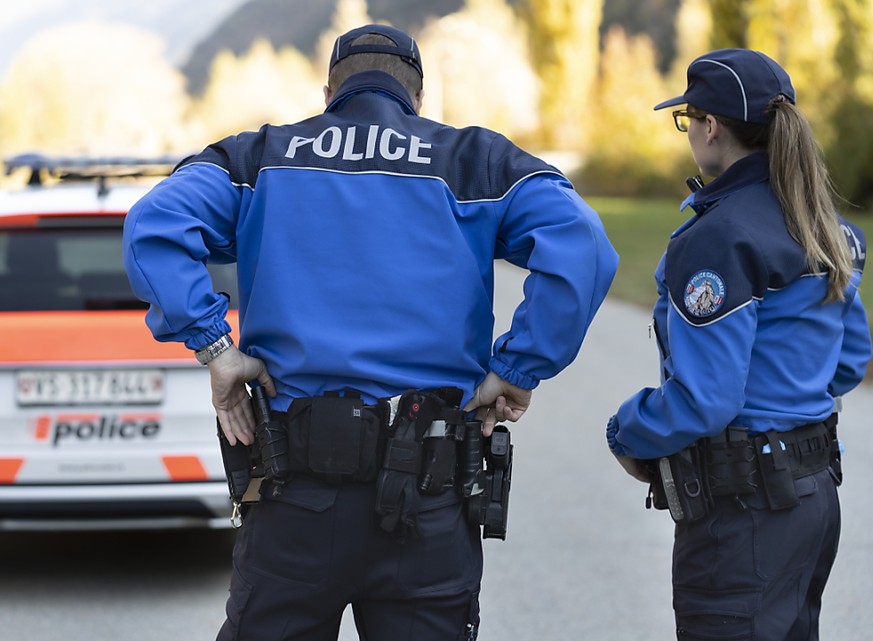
[{"x": 212, "y": 350}]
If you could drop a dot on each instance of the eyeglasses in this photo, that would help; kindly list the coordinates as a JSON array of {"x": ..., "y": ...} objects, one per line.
[{"x": 682, "y": 118}]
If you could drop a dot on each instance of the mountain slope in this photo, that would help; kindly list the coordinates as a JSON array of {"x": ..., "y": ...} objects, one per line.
[{"x": 298, "y": 23}]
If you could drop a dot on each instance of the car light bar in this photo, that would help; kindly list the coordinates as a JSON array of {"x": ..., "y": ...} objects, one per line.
[{"x": 89, "y": 167}]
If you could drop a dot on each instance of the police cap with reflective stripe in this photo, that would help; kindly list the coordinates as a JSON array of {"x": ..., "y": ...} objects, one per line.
[
  {"x": 737, "y": 83},
  {"x": 405, "y": 48}
]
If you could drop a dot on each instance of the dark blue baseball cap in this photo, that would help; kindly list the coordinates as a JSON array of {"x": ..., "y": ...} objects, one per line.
[
  {"x": 406, "y": 47},
  {"x": 737, "y": 83}
]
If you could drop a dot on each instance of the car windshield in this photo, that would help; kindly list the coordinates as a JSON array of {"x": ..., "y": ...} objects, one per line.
[{"x": 74, "y": 269}]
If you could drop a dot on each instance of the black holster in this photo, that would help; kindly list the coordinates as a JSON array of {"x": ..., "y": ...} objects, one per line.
[
  {"x": 243, "y": 465},
  {"x": 490, "y": 507}
]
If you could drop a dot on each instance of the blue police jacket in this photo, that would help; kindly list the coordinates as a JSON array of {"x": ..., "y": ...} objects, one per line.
[
  {"x": 743, "y": 335},
  {"x": 365, "y": 240}
]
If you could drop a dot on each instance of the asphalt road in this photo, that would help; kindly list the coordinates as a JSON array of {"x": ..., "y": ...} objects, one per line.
[{"x": 583, "y": 558}]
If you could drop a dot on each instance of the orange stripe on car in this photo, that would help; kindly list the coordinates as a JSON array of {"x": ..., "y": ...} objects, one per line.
[
  {"x": 43, "y": 428},
  {"x": 86, "y": 336},
  {"x": 9, "y": 469},
  {"x": 78, "y": 418},
  {"x": 185, "y": 468},
  {"x": 139, "y": 416},
  {"x": 32, "y": 220}
]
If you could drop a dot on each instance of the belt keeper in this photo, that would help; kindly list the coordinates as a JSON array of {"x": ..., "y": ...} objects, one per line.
[{"x": 402, "y": 456}]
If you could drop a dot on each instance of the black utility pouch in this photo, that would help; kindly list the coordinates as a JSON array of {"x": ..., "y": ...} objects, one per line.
[
  {"x": 336, "y": 435},
  {"x": 776, "y": 473},
  {"x": 681, "y": 485},
  {"x": 731, "y": 464}
]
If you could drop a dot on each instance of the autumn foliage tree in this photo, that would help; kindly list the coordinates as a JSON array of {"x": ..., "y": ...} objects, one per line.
[
  {"x": 258, "y": 87},
  {"x": 632, "y": 149},
  {"x": 850, "y": 102},
  {"x": 478, "y": 72},
  {"x": 565, "y": 49},
  {"x": 65, "y": 93}
]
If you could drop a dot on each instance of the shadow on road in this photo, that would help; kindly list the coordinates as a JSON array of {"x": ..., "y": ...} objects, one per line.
[{"x": 114, "y": 557}]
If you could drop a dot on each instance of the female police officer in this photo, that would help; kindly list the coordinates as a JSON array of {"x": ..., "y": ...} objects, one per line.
[{"x": 760, "y": 329}]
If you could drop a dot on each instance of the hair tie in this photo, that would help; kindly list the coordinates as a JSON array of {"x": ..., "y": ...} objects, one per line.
[{"x": 775, "y": 102}]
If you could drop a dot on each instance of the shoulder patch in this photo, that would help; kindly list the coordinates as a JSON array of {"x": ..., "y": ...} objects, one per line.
[{"x": 704, "y": 293}]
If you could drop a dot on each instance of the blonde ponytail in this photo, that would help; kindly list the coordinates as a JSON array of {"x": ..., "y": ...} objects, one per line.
[{"x": 801, "y": 182}]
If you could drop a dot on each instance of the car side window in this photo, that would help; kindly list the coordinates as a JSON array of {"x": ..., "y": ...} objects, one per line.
[{"x": 74, "y": 269}]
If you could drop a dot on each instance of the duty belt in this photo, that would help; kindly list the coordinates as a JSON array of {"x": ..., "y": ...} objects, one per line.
[
  {"x": 417, "y": 443},
  {"x": 736, "y": 464},
  {"x": 736, "y": 454}
]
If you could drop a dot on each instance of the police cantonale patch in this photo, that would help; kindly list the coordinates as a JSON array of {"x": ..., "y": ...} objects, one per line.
[{"x": 704, "y": 294}]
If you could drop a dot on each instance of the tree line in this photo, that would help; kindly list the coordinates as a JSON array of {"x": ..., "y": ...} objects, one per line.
[{"x": 544, "y": 72}]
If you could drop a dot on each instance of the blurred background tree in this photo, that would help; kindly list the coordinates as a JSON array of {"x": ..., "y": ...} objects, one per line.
[
  {"x": 565, "y": 49},
  {"x": 632, "y": 149},
  {"x": 729, "y": 23},
  {"x": 849, "y": 102},
  {"x": 260, "y": 86},
  {"x": 477, "y": 70},
  {"x": 64, "y": 93}
]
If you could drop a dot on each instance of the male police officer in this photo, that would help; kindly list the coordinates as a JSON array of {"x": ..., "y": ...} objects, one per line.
[{"x": 365, "y": 239}]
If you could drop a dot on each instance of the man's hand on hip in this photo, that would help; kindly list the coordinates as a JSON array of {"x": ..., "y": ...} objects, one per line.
[
  {"x": 496, "y": 400},
  {"x": 229, "y": 373}
]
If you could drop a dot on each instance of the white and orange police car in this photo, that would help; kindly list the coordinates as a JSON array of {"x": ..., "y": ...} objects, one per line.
[{"x": 100, "y": 425}]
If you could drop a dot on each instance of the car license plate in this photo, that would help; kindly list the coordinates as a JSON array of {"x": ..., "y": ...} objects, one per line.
[{"x": 90, "y": 387}]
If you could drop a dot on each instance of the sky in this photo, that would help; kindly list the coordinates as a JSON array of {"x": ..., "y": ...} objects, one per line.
[{"x": 180, "y": 23}]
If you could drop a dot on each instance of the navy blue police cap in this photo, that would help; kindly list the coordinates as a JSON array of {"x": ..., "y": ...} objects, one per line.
[
  {"x": 736, "y": 83},
  {"x": 406, "y": 47}
]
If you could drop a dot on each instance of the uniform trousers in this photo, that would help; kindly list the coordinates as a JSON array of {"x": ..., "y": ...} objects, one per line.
[
  {"x": 305, "y": 553},
  {"x": 748, "y": 572}
]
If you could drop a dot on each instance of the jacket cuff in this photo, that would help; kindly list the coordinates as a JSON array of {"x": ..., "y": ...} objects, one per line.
[
  {"x": 611, "y": 433},
  {"x": 512, "y": 376},
  {"x": 208, "y": 336}
]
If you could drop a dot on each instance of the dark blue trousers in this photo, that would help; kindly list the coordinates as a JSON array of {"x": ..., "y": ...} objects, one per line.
[
  {"x": 757, "y": 574},
  {"x": 306, "y": 553}
]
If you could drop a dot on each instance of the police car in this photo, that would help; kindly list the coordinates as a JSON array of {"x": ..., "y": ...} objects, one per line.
[{"x": 100, "y": 425}]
